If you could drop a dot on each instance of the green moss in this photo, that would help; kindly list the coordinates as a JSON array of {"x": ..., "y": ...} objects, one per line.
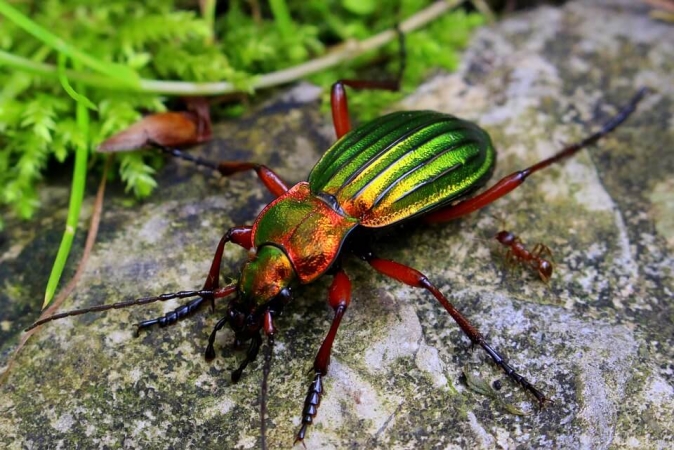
[{"x": 158, "y": 40}]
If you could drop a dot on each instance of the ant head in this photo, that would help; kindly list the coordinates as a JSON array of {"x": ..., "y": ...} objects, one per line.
[{"x": 505, "y": 237}]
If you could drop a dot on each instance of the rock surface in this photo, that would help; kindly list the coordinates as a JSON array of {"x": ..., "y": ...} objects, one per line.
[{"x": 598, "y": 339}]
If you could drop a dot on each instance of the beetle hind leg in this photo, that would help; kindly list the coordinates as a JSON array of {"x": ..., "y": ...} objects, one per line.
[
  {"x": 414, "y": 278},
  {"x": 515, "y": 179}
]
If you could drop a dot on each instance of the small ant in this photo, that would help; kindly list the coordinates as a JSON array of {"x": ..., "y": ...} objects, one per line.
[{"x": 518, "y": 253}]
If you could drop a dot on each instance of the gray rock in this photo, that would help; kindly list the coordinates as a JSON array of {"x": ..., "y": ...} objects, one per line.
[{"x": 597, "y": 339}]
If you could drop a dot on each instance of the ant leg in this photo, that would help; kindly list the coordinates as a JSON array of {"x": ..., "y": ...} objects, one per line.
[
  {"x": 515, "y": 179},
  {"x": 338, "y": 102},
  {"x": 414, "y": 278},
  {"x": 339, "y": 298},
  {"x": 241, "y": 236},
  {"x": 269, "y": 178}
]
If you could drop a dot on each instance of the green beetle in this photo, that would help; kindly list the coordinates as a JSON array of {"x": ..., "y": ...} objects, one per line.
[{"x": 409, "y": 165}]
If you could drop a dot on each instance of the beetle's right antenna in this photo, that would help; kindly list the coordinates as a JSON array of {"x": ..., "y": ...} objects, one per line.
[
  {"x": 218, "y": 293},
  {"x": 176, "y": 153}
]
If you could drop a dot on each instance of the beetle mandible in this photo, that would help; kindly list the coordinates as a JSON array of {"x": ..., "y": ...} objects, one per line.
[{"x": 410, "y": 165}]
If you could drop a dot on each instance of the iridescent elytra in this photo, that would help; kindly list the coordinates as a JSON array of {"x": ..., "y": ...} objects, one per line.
[{"x": 410, "y": 165}]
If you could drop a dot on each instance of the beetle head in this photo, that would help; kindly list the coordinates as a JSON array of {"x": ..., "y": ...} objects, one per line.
[{"x": 264, "y": 286}]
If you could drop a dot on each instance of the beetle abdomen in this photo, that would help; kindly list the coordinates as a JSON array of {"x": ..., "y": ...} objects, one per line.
[{"x": 404, "y": 164}]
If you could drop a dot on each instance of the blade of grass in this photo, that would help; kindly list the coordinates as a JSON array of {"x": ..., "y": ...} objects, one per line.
[
  {"x": 76, "y": 196},
  {"x": 68, "y": 88},
  {"x": 282, "y": 18},
  {"x": 208, "y": 13}
]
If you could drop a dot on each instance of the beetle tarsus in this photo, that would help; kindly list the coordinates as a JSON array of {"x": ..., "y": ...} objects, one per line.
[
  {"x": 512, "y": 373},
  {"x": 311, "y": 403}
]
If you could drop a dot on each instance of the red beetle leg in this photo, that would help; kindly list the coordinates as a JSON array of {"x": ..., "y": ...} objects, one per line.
[
  {"x": 414, "y": 278},
  {"x": 339, "y": 104},
  {"x": 268, "y": 177},
  {"x": 241, "y": 236},
  {"x": 238, "y": 235},
  {"x": 515, "y": 179},
  {"x": 339, "y": 298}
]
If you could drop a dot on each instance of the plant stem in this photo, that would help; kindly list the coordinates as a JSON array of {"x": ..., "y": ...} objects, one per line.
[
  {"x": 76, "y": 196},
  {"x": 346, "y": 51}
]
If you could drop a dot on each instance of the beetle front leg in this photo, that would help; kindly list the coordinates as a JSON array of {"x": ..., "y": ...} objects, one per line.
[
  {"x": 339, "y": 298},
  {"x": 241, "y": 236},
  {"x": 414, "y": 278}
]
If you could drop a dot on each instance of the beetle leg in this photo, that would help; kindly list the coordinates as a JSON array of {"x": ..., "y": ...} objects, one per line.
[
  {"x": 251, "y": 354},
  {"x": 269, "y": 178},
  {"x": 241, "y": 236},
  {"x": 515, "y": 179},
  {"x": 414, "y": 278},
  {"x": 338, "y": 103},
  {"x": 339, "y": 298}
]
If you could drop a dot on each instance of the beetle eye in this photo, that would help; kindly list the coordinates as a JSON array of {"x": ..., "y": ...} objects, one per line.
[
  {"x": 285, "y": 296},
  {"x": 281, "y": 299}
]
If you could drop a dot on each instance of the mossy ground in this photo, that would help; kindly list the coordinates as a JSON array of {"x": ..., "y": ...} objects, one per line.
[{"x": 598, "y": 339}]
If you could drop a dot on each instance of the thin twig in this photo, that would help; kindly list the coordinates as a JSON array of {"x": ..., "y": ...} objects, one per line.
[
  {"x": 68, "y": 289},
  {"x": 484, "y": 9}
]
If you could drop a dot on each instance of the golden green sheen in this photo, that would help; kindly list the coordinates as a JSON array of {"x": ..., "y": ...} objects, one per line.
[{"x": 404, "y": 164}]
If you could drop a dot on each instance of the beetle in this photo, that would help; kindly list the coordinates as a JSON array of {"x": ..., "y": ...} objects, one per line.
[
  {"x": 405, "y": 166},
  {"x": 517, "y": 253}
]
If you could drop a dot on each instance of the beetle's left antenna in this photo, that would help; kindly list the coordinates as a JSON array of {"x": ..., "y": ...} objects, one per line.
[{"x": 268, "y": 352}]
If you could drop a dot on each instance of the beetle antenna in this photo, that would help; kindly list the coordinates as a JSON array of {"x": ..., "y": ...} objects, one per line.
[
  {"x": 218, "y": 293},
  {"x": 268, "y": 352}
]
